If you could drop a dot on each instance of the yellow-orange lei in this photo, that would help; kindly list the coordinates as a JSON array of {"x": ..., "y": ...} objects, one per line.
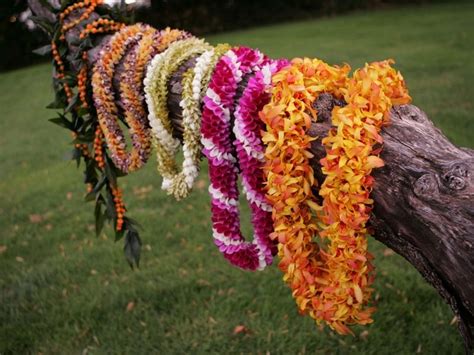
[
  {"x": 332, "y": 283},
  {"x": 370, "y": 94}
]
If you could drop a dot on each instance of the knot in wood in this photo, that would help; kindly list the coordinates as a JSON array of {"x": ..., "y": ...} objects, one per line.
[
  {"x": 324, "y": 105},
  {"x": 411, "y": 112},
  {"x": 426, "y": 187},
  {"x": 456, "y": 178}
]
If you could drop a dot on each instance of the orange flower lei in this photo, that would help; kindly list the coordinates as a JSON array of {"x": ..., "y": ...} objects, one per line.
[
  {"x": 348, "y": 164},
  {"x": 290, "y": 177},
  {"x": 330, "y": 285},
  {"x": 104, "y": 99}
]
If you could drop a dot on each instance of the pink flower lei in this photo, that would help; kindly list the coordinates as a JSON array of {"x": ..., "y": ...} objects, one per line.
[
  {"x": 250, "y": 153},
  {"x": 223, "y": 166}
]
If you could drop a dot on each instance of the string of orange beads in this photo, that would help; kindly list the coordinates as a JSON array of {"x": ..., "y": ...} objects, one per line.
[
  {"x": 90, "y": 4},
  {"x": 82, "y": 82},
  {"x": 98, "y": 152},
  {"x": 101, "y": 25},
  {"x": 60, "y": 70},
  {"x": 119, "y": 207},
  {"x": 81, "y": 146}
]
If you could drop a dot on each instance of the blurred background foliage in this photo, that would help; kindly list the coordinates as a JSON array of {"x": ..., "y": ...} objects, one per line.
[{"x": 18, "y": 39}]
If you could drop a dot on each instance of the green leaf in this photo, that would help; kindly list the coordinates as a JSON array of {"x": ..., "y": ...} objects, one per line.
[
  {"x": 95, "y": 192},
  {"x": 84, "y": 138},
  {"x": 43, "y": 50},
  {"x": 76, "y": 155},
  {"x": 47, "y": 5},
  {"x": 62, "y": 121},
  {"x": 72, "y": 103},
  {"x": 43, "y": 23},
  {"x": 82, "y": 111},
  {"x": 110, "y": 204},
  {"x": 132, "y": 248},
  {"x": 110, "y": 171},
  {"x": 99, "y": 216},
  {"x": 56, "y": 103},
  {"x": 90, "y": 197}
]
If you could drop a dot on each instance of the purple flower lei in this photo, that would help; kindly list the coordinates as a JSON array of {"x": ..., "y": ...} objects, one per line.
[
  {"x": 223, "y": 166},
  {"x": 104, "y": 99}
]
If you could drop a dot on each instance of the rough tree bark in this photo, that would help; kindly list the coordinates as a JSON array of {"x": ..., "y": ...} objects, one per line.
[{"x": 424, "y": 196}]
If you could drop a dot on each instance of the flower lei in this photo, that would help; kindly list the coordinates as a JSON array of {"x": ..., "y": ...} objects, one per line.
[
  {"x": 290, "y": 178},
  {"x": 103, "y": 92},
  {"x": 104, "y": 99},
  {"x": 156, "y": 91},
  {"x": 131, "y": 98},
  {"x": 330, "y": 285},
  {"x": 194, "y": 86},
  {"x": 223, "y": 167},
  {"x": 348, "y": 164},
  {"x": 249, "y": 146}
]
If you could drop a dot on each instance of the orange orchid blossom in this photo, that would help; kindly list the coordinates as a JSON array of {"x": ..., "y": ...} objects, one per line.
[{"x": 331, "y": 280}]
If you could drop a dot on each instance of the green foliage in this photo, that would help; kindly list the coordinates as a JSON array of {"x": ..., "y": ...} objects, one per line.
[
  {"x": 64, "y": 290},
  {"x": 82, "y": 122}
]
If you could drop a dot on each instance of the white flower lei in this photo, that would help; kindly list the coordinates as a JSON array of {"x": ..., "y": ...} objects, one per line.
[{"x": 155, "y": 83}]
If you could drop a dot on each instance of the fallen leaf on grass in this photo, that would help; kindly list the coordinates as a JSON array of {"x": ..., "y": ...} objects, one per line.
[
  {"x": 93, "y": 272},
  {"x": 19, "y": 259},
  {"x": 130, "y": 306},
  {"x": 364, "y": 335},
  {"x": 240, "y": 329},
  {"x": 388, "y": 252},
  {"x": 201, "y": 184},
  {"x": 418, "y": 350},
  {"x": 36, "y": 218},
  {"x": 142, "y": 192},
  {"x": 3, "y": 249},
  {"x": 454, "y": 320},
  {"x": 69, "y": 196}
]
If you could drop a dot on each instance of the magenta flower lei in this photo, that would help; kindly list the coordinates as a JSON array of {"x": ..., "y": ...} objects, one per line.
[
  {"x": 250, "y": 153},
  {"x": 223, "y": 166}
]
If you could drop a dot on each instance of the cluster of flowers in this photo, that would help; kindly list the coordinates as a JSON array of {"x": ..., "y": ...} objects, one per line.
[
  {"x": 330, "y": 279},
  {"x": 226, "y": 156},
  {"x": 250, "y": 117}
]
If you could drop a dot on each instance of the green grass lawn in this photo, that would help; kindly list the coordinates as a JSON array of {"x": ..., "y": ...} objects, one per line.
[{"x": 65, "y": 291}]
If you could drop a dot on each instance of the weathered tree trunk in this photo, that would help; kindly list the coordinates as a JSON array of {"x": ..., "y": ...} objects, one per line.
[{"x": 424, "y": 197}]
